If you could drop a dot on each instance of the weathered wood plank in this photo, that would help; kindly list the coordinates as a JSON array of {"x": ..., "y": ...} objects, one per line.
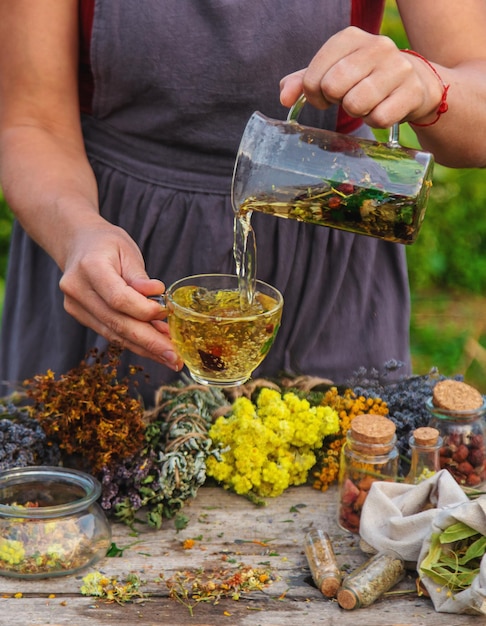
[
  {"x": 228, "y": 530},
  {"x": 74, "y": 611}
]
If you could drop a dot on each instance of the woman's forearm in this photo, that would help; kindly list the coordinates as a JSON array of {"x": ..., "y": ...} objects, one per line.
[
  {"x": 458, "y": 139},
  {"x": 451, "y": 36},
  {"x": 49, "y": 185}
]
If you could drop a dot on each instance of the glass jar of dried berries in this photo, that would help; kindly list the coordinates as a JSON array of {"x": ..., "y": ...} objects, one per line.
[
  {"x": 458, "y": 412},
  {"x": 369, "y": 454}
]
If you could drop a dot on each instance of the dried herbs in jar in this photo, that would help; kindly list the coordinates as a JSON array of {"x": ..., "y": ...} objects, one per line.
[
  {"x": 322, "y": 562},
  {"x": 425, "y": 445},
  {"x": 370, "y": 581}
]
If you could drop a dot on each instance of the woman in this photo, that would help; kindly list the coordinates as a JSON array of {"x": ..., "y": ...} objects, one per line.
[{"x": 135, "y": 189}]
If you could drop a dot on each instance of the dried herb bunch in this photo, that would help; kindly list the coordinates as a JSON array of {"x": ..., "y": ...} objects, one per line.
[
  {"x": 23, "y": 441},
  {"x": 171, "y": 466},
  {"x": 347, "y": 405},
  {"x": 405, "y": 398},
  {"x": 88, "y": 411},
  {"x": 269, "y": 445}
]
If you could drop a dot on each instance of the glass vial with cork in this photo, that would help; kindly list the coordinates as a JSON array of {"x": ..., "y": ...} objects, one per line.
[
  {"x": 425, "y": 444},
  {"x": 322, "y": 562},
  {"x": 368, "y": 454},
  {"x": 371, "y": 580}
]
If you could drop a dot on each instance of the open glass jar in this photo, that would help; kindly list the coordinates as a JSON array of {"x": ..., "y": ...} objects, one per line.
[{"x": 50, "y": 522}]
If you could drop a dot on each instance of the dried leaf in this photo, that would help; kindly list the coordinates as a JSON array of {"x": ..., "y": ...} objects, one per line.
[{"x": 456, "y": 532}]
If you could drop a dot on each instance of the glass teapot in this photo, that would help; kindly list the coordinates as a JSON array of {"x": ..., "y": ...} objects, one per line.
[{"x": 330, "y": 179}]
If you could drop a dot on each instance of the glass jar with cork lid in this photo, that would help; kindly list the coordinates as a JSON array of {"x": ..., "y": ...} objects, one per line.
[
  {"x": 458, "y": 412},
  {"x": 369, "y": 454}
]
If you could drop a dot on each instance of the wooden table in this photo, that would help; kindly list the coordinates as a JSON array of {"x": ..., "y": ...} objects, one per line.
[{"x": 227, "y": 530}]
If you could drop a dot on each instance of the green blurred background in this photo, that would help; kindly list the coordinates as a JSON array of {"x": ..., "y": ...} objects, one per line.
[{"x": 447, "y": 264}]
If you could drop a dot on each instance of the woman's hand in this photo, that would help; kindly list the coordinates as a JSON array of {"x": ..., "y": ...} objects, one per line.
[
  {"x": 105, "y": 287},
  {"x": 369, "y": 76},
  {"x": 104, "y": 279}
]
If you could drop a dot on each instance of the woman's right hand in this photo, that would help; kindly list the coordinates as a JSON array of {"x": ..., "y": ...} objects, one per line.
[
  {"x": 105, "y": 287},
  {"x": 50, "y": 186},
  {"x": 369, "y": 77}
]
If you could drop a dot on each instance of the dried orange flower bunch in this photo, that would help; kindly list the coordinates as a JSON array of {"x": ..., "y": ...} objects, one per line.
[
  {"x": 88, "y": 411},
  {"x": 347, "y": 405}
]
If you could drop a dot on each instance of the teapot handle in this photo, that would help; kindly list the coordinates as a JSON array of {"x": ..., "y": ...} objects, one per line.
[{"x": 393, "y": 137}]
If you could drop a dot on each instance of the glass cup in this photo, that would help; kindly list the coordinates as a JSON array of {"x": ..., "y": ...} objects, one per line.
[
  {"x": 326, "y": 178},
  {"x": 220, "y": 339}
]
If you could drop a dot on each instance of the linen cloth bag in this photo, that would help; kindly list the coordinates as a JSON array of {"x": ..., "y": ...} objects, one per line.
[
  {"x": 403, "y": 518},
  {"x": 473, "y": 599},
  {"x": 398, "y": 516}
]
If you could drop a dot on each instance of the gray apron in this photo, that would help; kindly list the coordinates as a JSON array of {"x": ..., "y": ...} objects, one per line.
[{"x": 175, "y": 84}]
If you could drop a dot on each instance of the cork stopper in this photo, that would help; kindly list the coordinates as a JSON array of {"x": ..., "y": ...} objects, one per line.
[
  {"x": 347, "y": 599},
  {"x": 454, "y": 395},
  {"x": 426, "y": 436},
  {"x": 372, "y": 429},
  {"x": 329, "y": 586}
]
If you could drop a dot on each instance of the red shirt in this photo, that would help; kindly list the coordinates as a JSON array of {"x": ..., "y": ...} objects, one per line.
[
  {"x": 366, "y": 14},
  {"x": 86, "y": 86}
]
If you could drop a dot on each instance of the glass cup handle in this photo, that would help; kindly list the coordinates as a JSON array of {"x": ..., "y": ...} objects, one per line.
[
  {"x": 393, "y": 137},
  {"x": 161, "y": 299}
]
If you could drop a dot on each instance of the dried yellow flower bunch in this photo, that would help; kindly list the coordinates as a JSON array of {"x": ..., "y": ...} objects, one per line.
[{"x": 269, "y": 446}]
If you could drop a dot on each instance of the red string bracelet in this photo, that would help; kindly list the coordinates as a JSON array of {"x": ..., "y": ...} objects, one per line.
[{"x": 443, "y": 106}]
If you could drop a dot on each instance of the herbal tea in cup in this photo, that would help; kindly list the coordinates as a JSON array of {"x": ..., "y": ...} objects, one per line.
[{"x": 219, "y": 335}]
